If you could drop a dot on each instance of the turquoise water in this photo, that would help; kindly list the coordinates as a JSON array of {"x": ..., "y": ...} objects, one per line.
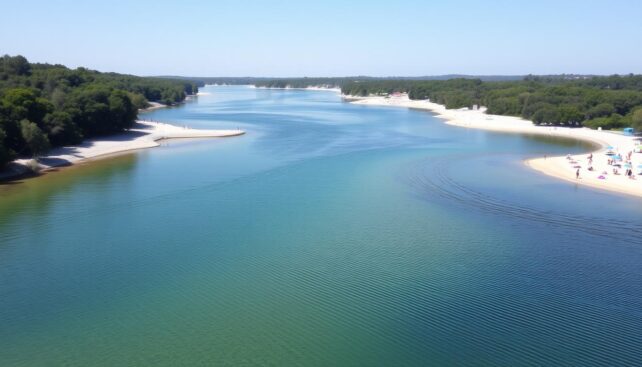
[{"x": 330, "y": 235}]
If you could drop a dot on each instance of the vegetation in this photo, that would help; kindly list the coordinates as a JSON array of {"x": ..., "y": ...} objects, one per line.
[
  {"x": 340, "y": 82},
  {"x": 44, "y": 105},
  {"x": 611, "y": 102},
  {"x": 332, "y": 82}
]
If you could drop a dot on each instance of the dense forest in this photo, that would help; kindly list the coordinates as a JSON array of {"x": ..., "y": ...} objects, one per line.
[
  {"x": 340, "y": 82},
  {"x": 201, "y": 81},
  {"x": 328, "y": 82},
  {"x": 43, "y": 106},
  {"x": 610, "y": 102}
]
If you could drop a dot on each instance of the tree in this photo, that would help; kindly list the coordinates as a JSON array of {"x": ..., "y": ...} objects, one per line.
[
  {"x": 138, "y": 100},
  {"x": 122, "y": 110},
  {"x": 570, "y": 115},
  {"x": 24, "y": 103},
  {"x": 61, "y": 130},
  {"x": 17, "y": 65},
  {"x": 600, "y": 110},
  {"x": 636, "y": 119},
  {"x": 546, "y": 115},
  {"x": 67, "y": 105},
  {"x": 36, "y": 140},
  {"x": 5, "y": 153},
  {"x": 615, "y": 121}
]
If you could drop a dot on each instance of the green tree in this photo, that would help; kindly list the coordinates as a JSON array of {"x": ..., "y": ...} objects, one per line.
[
  {"x": 61, "y": 130},
  {"x": 122, "y": 110},
  {"x": 546, "y": 115},
  {"x": 570, "y": 115},
  {"x": 16, "y": 65},
  {"x": 24, "y": 103},
  {"x": 35, "y": 138},
  {"x": 600, "y": 110},
  {"x": 636, "y": 119},
  {"x": 5, "y": 153},
  {"x": 67, "y": 105}
]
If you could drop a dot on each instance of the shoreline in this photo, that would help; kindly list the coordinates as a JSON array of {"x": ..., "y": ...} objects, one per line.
[
  {"x": 144, "y": 134},
  {"x": 312, "y": 88},
  {"x": 156, "y": 105},
  {"x": 602, "y": 177},
  {"x": 152, "y": 106}
]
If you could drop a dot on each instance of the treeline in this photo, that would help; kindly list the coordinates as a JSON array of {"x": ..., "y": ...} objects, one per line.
[
  {"x": 308, "y": 82},
  {"x": 43, "y": 106},
  {"x": 328, "y": 82},
  {"x": 390, "y": 80},
  {"x": 201, "y": 81},
  {"x": 611, "y": 102}
]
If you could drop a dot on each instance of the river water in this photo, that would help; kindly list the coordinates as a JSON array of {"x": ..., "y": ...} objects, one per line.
[{"x": 330, "y": 234}]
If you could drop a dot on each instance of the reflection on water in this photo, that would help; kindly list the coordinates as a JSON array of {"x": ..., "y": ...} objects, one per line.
[
  {"x": 564, "y": 141},
  {"x": 36, "y": 192}
]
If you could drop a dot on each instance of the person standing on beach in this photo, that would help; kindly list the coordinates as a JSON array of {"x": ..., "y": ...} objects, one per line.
[{"x": 577, "y": 174}]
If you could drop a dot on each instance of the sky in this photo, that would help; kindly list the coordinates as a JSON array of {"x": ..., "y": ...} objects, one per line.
[{"x": 276, "y": 38}]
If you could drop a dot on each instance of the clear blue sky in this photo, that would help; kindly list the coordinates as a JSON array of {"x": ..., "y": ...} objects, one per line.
[{"x": 328, "y": 38}]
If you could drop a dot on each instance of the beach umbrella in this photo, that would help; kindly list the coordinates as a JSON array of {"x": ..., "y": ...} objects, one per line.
[
  {"x": 639, "y": 165},
  {"x": 618, "y": 158},
  {"x": 627, "y": 165},
  {"x": 609, "y": 148}
]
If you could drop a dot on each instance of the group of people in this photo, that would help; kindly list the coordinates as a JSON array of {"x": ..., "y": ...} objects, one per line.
[{"x": 612, "y": 160}]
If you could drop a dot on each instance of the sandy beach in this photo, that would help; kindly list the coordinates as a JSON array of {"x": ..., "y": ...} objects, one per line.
[
  {"x": 152, "y": 106},
  {"x": 144, "y": 134},
  {"x": 602, "y": 176}
]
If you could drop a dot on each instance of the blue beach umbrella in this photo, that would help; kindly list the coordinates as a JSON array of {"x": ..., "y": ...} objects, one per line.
[{"x": 609, "y": 147}]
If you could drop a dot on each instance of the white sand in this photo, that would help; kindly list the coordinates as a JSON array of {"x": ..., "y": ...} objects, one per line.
[
  {"x": 153, "y": 106},
  {"x": 333, "y": 89},
  {"x": 145, "y": 134},
  {"x": 560, "y": 167}
]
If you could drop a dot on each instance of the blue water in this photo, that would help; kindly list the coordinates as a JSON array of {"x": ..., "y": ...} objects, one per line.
[{"x": 330, "y": 234}]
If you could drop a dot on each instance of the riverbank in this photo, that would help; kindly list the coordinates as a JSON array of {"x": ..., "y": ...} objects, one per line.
[
  {"x": 309, "y": 88},
  {"x": 602, "y": 176},
  {"x": 152, "y": 106},
  {"x": 144, "y": 134}
]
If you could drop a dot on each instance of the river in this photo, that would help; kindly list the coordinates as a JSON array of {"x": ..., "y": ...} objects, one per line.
[{"x": 330, "y": 234}]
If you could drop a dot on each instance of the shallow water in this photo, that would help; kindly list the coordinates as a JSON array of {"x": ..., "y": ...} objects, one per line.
[{"x": 330, "y": 234}]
